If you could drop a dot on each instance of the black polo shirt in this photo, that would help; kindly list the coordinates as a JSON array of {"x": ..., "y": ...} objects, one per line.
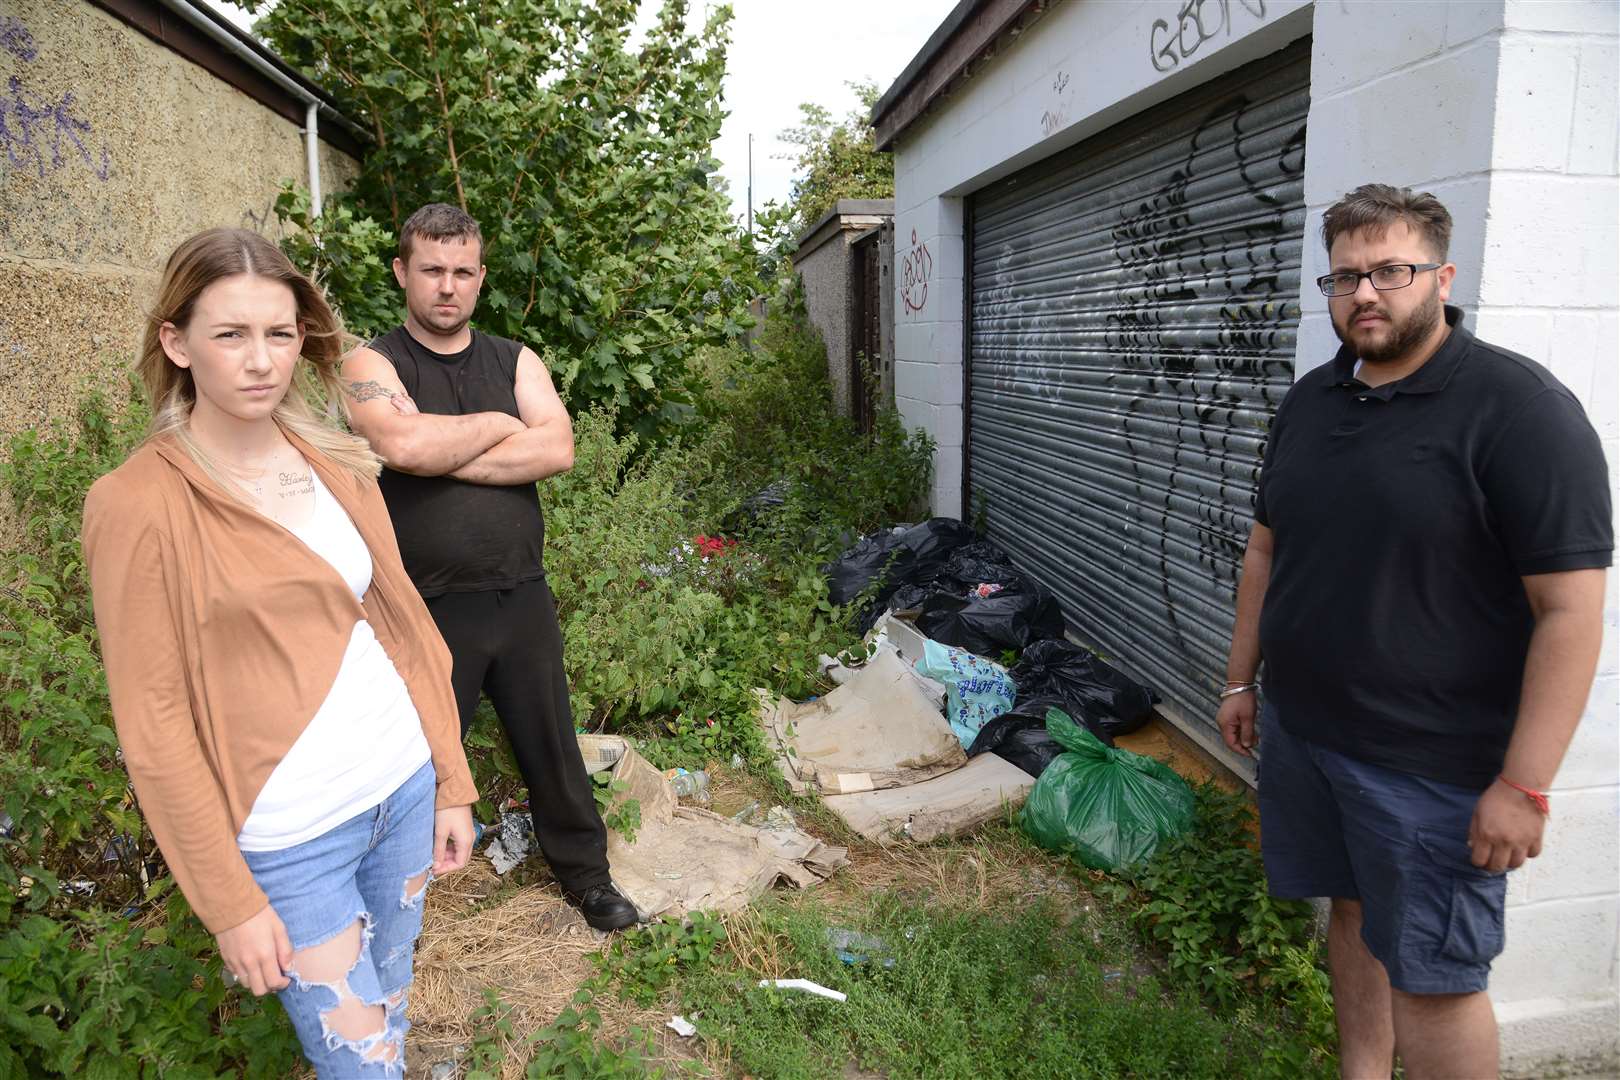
[{"x": 1395, "y": 623}]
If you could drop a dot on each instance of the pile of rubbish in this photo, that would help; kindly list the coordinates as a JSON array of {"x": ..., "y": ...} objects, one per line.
[
  {"x": 680, "y": 859},
  {"x": 929, "y": 734}
]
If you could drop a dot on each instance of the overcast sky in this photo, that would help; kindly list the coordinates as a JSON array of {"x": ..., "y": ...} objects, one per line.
[{"x": 783, "y": 54}]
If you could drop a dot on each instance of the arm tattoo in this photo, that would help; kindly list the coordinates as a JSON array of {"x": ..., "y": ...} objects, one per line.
[{"x": 367, "y": 390}]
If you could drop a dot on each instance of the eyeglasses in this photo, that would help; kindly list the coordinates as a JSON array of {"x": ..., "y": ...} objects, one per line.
[{"x": 1384, "y": 278}]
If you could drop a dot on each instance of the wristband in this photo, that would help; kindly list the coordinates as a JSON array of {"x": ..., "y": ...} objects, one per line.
[
  {"x": 1530, "y": 793},
  {"x": 1235, "y": 689}
]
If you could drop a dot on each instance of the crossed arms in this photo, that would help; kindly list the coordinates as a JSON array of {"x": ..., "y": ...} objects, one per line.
[{"x": 480, "y": 448}]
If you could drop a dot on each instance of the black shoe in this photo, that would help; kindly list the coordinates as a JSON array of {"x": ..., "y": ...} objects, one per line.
[{"x": 603, "y": 907}]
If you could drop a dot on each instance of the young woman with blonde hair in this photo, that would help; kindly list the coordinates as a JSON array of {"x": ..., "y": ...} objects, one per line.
[{"x": 281, "y": 695}]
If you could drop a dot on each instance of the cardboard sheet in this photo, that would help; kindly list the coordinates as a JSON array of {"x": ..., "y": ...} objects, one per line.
[
  {"x": 947, "y": 805},
  {"x": 881, "y": 729},
  {"x": 686, "y": 859}
]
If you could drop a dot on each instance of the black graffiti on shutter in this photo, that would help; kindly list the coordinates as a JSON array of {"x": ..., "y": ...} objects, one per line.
[{"x": 1159, "y": 236}]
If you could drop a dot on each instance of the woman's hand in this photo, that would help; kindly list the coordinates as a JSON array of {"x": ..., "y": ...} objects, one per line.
[
  {"x": 452, "y": 839},
  {"x": 257, "y": 952}
]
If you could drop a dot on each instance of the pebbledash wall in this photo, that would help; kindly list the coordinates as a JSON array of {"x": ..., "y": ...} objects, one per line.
[
  {"x": 1505, "y": 109},
  {"x": 117, "y": 147}
]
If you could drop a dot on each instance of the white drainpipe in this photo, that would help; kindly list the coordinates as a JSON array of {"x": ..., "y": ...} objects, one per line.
[
  {"x": 312, "y": 153},
  {"x": 312, "y": 104}
]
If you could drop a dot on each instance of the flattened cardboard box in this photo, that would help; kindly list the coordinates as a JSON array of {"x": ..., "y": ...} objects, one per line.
[
  {"x": 686, "y": 859},
  {"x": 881, "y": 729}
]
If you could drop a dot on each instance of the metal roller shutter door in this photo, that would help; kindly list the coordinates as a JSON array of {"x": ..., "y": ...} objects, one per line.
[{"x": 1133, "y": 304}]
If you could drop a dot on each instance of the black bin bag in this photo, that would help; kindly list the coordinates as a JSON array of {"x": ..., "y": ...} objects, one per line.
[
  {"x": 895, "y": 557},
  {"x": 1020, "y": 739},
  {"x": 880, "y": 555},
  {"x": 1068, "y": 677},
  {"x": 1012, "y": 618}
]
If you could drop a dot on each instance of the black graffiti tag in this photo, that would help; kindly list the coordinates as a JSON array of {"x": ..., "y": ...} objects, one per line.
[
  {"x": 1196, "y": 23},
  {"x": 915, "y": 270}
]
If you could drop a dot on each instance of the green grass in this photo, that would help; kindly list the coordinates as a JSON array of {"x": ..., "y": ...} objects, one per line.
[{"x": 1037, "y": 991}]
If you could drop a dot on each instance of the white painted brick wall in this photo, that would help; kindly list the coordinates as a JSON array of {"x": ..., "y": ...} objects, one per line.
[{"x": 1506, "y": 110}]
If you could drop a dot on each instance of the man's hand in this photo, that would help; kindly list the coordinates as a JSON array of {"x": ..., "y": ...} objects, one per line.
[
  {"x": 1506, "y": 829},
  {"x": 1236, "y": 721},
  {"x": 452, "y": 839},
  {"x": 257, "y": 952},
  {"x": 404, "y": 405}
]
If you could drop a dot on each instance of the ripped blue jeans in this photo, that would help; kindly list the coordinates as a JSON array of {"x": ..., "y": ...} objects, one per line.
[{"x": 353, "y": 897}]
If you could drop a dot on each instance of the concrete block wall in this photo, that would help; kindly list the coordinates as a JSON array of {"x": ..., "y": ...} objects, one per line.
[
  {"x": 1506, "y": 110},
  {"x": 117, "y": 148},
  {"x": 829, "y": 299}
]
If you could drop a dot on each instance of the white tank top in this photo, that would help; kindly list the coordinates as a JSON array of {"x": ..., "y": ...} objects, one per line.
[{"x": 364, "y": 741}]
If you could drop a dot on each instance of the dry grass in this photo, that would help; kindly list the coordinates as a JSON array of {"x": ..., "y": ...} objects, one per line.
[
  {"x": 531, "y": 946},
  {"x": 534, "y": 949}
]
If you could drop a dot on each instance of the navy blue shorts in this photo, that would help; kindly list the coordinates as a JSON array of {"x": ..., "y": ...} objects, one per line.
[{"x": 1333, "y": 826}]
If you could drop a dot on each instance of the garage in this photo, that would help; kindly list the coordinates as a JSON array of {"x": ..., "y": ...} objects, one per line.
[{"x": 1131, "y": 316}]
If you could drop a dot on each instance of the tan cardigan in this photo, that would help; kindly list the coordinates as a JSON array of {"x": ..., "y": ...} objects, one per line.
[{"x": 222, "y": 634}]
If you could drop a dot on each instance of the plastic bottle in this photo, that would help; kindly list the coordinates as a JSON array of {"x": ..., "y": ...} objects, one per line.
[{"x": 685, "y": 783}]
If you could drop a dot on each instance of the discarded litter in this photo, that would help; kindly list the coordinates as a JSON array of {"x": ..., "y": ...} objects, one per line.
[
  {"x": 778, "y": 819},
  {"x": 694, "y": 785},
  {"x": 116, "y": 848},
  {"x": 1020, "y": 739},
  {"x": 513, "y": 838},
  {"x": 746, "y": 814},
  {"x": 881, "y": 729},
  {"x": 685, "y": 858},
  {"x": 894, "y": 558},
  {"x": 854, "y": 947},
  {"x": 976, "y": 690},
  {"x": 947, "y": 805},
  {"x": 880, "y": 555},
  {"x": 1011, "y": 617},
  {"x": 1064, "y": 675},
  {"x": 807, "y": 986},
  {"x": 681, "y": 1026},
  {"x": 1109, "y": 808}
]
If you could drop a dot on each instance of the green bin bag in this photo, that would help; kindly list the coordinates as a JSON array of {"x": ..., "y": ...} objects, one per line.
[{"x": 1107, "y": 807}]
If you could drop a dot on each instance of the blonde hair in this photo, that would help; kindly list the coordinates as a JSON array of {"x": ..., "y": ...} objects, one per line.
[{"x": 221, "y": 253}]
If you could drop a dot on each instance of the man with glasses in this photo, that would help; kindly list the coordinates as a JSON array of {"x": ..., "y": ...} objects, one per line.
[{"x": 1424, "y": 582}]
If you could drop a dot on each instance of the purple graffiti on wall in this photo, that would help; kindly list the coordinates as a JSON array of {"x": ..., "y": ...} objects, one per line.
[
  {"x": 44, "y": 134},
  {"x": 15, "y": 38}
]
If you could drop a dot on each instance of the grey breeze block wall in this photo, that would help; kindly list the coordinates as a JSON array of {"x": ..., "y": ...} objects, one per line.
[{"x": 826, "y": 266}]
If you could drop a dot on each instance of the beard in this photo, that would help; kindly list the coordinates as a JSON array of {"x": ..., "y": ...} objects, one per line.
[
  {"x": 1401, "y": 337},
  {"x": 441, "y": 324}
]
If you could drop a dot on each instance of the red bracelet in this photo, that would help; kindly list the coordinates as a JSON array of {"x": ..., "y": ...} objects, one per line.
[{"x": 1530, "y": 793}]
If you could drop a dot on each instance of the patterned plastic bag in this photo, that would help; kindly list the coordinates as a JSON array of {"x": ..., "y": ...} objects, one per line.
[{"x": 976, "y": 690}]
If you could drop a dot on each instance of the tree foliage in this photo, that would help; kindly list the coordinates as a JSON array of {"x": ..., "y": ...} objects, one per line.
[
  {"x": 837, "y": 160},
  {"x": 585, "y": 158}
]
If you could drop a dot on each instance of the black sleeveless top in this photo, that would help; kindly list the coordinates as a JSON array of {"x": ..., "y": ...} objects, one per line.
[{"x": 455, "y": 536}]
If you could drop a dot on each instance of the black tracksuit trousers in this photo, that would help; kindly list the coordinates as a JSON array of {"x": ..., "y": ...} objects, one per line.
[{"x": 507, "y": 643}]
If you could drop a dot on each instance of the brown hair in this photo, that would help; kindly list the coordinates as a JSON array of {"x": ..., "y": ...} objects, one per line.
[
  {"x": 1376, "y": 207},
  {"x": 198, "y": 263},
  {"x": 438, "y": 221}
]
